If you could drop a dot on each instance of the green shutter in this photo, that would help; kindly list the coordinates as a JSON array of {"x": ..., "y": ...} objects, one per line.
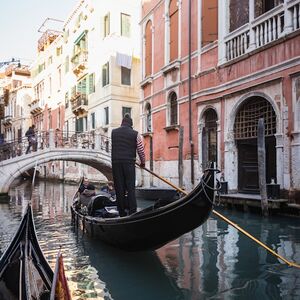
[{"x": 91, "y": 83}]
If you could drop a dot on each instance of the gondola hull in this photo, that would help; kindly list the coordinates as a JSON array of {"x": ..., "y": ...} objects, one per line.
[
  {"x": 152, "y": 227},
  {"x": 24, "y": 271}
]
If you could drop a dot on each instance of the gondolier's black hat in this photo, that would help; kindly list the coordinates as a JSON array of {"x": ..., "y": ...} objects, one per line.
[{"x": 127, "y": 120}]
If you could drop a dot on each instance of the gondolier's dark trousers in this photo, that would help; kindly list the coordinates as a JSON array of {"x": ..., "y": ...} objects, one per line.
[{"x": 124, "y": 181}]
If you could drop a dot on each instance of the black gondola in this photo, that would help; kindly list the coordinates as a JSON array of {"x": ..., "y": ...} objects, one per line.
[
  {"x": 153, "y": 226},
  {"x": 24, "y": 271}
]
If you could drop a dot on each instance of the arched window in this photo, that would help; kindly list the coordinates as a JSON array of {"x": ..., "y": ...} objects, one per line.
[
  {"x": 173, "y": 109},
  {"x": 173, "y": 14},
  {"x": 209, "y": 138},
  {"x": 148, "y": 117},
  {"x": 148, "y": 49}
]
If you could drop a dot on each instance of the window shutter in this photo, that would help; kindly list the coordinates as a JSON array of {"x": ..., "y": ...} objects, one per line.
[
  {"x": 148, "y": 49},
  {"x": 173, "y": 30},
  {"x": 92, "y": 83}
]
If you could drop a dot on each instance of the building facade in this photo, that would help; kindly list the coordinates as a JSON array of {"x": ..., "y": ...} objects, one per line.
[
  {"x": 86, "y": 76},
  {"x": 210, "y": 71},
  {"x": 16, "y": 95}
]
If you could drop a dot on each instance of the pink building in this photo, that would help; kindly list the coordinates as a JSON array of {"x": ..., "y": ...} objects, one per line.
[{"x": 211, "y": 70}]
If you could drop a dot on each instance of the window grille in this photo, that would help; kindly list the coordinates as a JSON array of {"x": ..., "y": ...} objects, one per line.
[
  {"x": 173, "y": 109},
  {"x": 245, "y": 125}
]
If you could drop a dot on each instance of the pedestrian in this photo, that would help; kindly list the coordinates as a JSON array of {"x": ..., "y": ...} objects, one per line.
[
  {"x": 86, "y": 191},
  {"x": 109, "y": 189},
  {"x": 125, "y": 143},
  {"x": 31, "y": 137}
]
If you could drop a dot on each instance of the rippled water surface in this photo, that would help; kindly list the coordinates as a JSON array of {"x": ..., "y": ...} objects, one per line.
[{"x": 212, "y": 262}]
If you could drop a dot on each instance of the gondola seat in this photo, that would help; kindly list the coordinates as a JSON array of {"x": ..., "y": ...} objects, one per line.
[{"x": 101, "y": 206}]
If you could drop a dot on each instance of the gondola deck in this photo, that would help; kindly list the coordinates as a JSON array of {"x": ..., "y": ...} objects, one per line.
[{"x": 154, "y": 226}]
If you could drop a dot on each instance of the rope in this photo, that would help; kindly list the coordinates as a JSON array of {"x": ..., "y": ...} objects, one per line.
[{"x": 289, "y": 263}]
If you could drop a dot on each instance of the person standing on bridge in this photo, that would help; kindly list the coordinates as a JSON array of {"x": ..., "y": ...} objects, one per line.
[
  {"x": 30, "y": 134},
  {"x": 125, "y": 143}
]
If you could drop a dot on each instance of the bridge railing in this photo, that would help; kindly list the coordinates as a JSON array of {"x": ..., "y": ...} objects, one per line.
[{"x": 55, "y": 139}]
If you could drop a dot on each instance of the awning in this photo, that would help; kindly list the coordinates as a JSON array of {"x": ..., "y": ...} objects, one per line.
[
  {"x": 80, "y": 37},
  {"x": 124, "y": 60}
]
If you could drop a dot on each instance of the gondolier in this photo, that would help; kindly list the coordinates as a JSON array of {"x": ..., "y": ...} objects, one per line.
[{"x": 125, "y": 143}]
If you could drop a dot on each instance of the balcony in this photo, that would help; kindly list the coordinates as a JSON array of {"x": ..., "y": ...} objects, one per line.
[
  {"x": 47, "y": 38},
  {"x": 269, "y": 27},
  {"x": 7, "y": 121},
  {"x": 79, "y": 62},
  {"x": 79, "y": 104},
  {"x": 36, "y": 107}
]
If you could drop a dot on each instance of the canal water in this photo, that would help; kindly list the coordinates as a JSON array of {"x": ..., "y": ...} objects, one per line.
[{"x": 212, "y": 262}]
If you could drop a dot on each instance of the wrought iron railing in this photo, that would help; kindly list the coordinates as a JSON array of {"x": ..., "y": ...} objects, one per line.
[{"x": 55, "y": 139}]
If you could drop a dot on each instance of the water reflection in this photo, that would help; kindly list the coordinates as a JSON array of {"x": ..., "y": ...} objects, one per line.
[
  {"x": 217, "y": 262},
  {"x": 213, "y": 262}
]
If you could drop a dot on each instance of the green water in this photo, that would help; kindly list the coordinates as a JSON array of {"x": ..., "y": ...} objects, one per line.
[{"x": 212, "y": 262}]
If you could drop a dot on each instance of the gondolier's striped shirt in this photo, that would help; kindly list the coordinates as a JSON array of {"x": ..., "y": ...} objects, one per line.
[{"x": 140, "y": 148}]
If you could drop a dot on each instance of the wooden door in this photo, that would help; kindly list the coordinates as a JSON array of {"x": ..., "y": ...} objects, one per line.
[{"x": 247, "y": 167}]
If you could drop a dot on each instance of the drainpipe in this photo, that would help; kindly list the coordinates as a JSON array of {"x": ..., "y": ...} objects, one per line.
[{"x": 190, "y": 93}]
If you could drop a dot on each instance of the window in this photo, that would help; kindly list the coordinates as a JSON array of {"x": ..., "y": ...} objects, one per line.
[
  {"x": 125, "y": 76},
  {"x": 173, "y": 13},
  {"x": 105, "y": 74},
  {"x": 79, "y": 125},
  {"x": 239, "y": 13},
  {"x": 67, "y": 64},
  {"x": 209, "y": 138},
  {"x": 93, "y": 120},
  {"x": 50, "y": 60},
  {"x": 148, "y": 118},
  {"x": 73, "y": 91},
  {"x": 125, "y": 25},
  {"x": 106, "y": 115},
  {"x": 173, "y": 109},
  {"x": 148, "y": 49},
  {"x": 92, "y": 83},
  {"x": 59, "y": 78},
  {"x": 58, "y": 51},
  {"x": 106, "y": 25},
  {"x": 67, "y": 100},
  {"x": 82, "y": 86},
  {"x": 50, "y": 85},
  {"x": 126, "y": 110},
  {"x": 209, "y": 22}
]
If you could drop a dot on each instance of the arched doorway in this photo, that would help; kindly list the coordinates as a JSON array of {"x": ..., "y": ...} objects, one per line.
[
  {"x": 245, "y": 133},
  {"x": 209, "y": 138}
]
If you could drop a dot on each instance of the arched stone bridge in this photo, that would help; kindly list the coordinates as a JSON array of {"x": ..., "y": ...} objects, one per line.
[{"x": 89, "y": 148}]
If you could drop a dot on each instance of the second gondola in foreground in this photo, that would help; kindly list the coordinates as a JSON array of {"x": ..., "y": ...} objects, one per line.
[
  {"x": 153, "y": 226},
  {"x": 24, "y": 271}
]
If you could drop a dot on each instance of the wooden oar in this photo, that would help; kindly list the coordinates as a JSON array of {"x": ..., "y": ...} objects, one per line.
[
  {"x": 80, "y": 183},
  {"x": 289, "y": 263}
]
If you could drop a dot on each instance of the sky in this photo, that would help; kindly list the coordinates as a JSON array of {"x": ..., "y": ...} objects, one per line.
[{"x": 20, "y": 21}]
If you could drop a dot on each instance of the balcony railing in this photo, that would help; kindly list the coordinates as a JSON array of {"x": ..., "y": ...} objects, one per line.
[
  {"x": 79, "y": 61},
  {"x": 36, "y": 107},
  {"x": 7, "y": 121},
  {"x": 271, "y": 26},
  {"x": 79, "y": 104}
]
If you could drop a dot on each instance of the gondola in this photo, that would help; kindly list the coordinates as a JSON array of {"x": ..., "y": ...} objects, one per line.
[
  {"x": 154, "y": 226},
  {"x": 24, "y": 271}
]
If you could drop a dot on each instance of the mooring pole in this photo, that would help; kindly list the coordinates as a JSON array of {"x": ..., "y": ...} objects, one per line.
[
  {"x": 190, "y": 93},
  {"x": 180, "y": 156},
  {"x": 261, "y": 159}
]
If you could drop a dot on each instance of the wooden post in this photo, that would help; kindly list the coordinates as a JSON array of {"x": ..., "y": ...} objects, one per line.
[
  {"x": 261, "y": 159},
  {"x": 180, "y": 156},
  {"x": 151, "y": 158}
]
